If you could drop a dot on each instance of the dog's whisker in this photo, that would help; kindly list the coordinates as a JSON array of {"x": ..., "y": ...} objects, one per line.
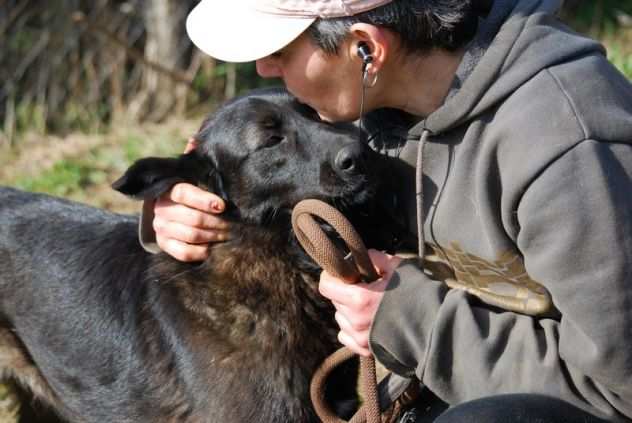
[{"x": 178, "y": 275}]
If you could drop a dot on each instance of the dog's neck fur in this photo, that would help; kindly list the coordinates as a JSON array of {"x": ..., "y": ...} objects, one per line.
[
  {"x": 238, "y": 307},
  {"x": 255, "y": 278}
]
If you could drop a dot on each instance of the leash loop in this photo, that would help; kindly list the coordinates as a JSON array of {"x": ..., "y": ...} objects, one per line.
[{"x": 320, "y": 247}]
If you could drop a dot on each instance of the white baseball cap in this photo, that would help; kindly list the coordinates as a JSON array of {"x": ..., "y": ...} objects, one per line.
[{"x": 247, "y": 30}]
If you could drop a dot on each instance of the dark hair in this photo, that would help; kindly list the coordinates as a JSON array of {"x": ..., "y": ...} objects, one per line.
[{"x": 421, "y": 24}]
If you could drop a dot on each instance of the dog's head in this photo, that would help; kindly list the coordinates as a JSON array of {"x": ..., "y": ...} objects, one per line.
[{"x": 263, "y": 153}]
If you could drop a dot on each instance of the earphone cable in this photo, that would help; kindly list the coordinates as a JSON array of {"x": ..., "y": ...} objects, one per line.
[{"x": 363, "y": 76}]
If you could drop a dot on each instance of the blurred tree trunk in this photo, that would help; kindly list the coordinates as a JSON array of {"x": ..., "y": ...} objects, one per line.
[{"x": 159, "y": 92}]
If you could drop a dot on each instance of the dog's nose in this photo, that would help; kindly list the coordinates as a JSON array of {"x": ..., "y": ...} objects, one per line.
[{"x": 350, "y": 158}]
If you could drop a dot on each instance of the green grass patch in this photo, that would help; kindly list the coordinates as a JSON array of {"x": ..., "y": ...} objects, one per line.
[
  {"x": 621, "y": 59},
  {"x": 610, "y": 22},
  {"x": 79, "y": 171},
  {"x": 64, "y": 178}
]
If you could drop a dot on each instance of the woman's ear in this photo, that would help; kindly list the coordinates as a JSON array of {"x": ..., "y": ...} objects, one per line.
[{"x": 367, "y": 39}]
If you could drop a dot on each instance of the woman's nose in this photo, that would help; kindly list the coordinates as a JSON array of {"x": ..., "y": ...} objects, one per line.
[{"x": 268, "y": 67}]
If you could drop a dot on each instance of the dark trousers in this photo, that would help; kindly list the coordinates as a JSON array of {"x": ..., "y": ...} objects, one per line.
[{"x": 510, "y": 408}]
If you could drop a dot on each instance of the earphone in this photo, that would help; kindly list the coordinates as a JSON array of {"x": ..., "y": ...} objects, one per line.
[{"x": 365, "y": 53}]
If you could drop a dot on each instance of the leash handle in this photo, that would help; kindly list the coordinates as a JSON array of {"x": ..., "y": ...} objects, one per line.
[{"x": 322, "y": 249}]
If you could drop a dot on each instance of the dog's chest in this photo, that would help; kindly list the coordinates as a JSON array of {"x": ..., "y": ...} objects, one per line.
[
  {"x": 251, "y": 319},
  {"x": 257, "y": 298}
]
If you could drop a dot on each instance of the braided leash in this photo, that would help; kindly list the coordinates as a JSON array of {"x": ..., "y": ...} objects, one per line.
[{"x": 324, "y": 252}]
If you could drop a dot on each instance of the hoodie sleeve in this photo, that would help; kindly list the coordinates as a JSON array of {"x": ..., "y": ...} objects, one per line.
[{"x": 576, "y": 238}]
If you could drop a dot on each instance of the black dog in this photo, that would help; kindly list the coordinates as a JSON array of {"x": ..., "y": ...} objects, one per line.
[{"x": 105, "y": 332}]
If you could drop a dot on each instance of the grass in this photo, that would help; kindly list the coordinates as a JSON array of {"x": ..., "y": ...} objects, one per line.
[
  {"x": 64, "y": 178},
  {"x": 621, "y": 57},
  {"x": 82, "y": 166}
]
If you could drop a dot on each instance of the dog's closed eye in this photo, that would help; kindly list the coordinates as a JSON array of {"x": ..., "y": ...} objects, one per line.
[
  {"x": 273, "y": 140},
  {"x": 271, "y": 121}
]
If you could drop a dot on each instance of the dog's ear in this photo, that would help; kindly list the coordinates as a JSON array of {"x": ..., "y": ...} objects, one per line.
[{"x": 150, "y": 177}]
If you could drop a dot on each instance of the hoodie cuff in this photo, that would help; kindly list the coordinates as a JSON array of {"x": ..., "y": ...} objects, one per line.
[
  {"x": 402, "y": 328},
  {"x": 146, "y": 233}
]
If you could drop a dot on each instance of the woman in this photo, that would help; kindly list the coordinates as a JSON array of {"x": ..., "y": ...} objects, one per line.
[{"x": 521, "y": 143}]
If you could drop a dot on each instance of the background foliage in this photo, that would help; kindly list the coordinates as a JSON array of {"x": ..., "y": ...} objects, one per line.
[
  {"x": 87, "y": 65},
  {"x": 89, "y": 86}
]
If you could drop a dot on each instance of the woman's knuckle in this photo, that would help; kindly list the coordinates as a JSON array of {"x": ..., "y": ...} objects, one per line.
[
  {"x": 189, "y": 235},
  {"x": 343, "y": 339},
  {"x": 322, "y": 288},
  {"x": 210, "y": 222},
  {"x": 170, "y": 247},
  {"x": 195, "y": 218},
  {"x": 220, "y": 236},
  {"x": 162, "y": 242},
  {"x": 339, "y": 318},
  {"x": 358, "y": 301},
  {"x": 358, "y": 323},
  {"x": 158, "y": 224},
  {"x": 188, "y": 253},
  {"x": 362, "y": 340},
  {"x": 178, "y": 193}
]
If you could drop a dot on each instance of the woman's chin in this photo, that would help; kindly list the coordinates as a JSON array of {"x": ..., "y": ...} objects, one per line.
[{"x": 336, "y": 117}]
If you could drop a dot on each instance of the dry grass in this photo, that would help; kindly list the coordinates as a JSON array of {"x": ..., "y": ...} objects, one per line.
[{"x": 81, "y": 167}]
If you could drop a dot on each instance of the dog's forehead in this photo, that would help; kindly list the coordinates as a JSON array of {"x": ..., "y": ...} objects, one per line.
[
  {"x": 277, "y": 101},
  {"x": 260, "y": 106},
  {"x": 237, "y": 127},
  {"x": 244, "y": 123},
  {"x": 255, "y": 112},
  {"x": 259, "y": 114}
]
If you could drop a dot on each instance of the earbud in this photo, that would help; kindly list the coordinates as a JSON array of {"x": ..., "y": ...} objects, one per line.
[{"x": 365, "y": 53}]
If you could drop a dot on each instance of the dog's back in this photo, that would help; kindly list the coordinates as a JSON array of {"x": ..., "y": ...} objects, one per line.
[
  {"x": 48, "y": 243},
  {"x": 68, "y": 298}
]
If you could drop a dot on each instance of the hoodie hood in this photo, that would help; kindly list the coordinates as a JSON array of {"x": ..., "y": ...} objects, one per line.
[{"x": 516, "y": 40}]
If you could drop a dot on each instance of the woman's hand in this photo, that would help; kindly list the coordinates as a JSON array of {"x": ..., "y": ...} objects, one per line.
[
  {"x": 187, "y": 220},
  {"x": 357, "y": 304}
]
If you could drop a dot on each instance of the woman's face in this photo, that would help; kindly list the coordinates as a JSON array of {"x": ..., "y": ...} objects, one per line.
[{"x": 328, "y": 83}]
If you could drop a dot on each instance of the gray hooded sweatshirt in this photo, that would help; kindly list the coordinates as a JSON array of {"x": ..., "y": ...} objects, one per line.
[{"x": 527, "y": 175}]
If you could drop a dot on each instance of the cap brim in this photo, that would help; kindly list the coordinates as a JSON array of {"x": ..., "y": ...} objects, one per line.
[{"x": 233, "y": 31}]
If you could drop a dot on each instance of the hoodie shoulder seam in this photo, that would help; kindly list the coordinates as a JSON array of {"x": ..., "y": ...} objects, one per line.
[{"x": 570, "y": 101}]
